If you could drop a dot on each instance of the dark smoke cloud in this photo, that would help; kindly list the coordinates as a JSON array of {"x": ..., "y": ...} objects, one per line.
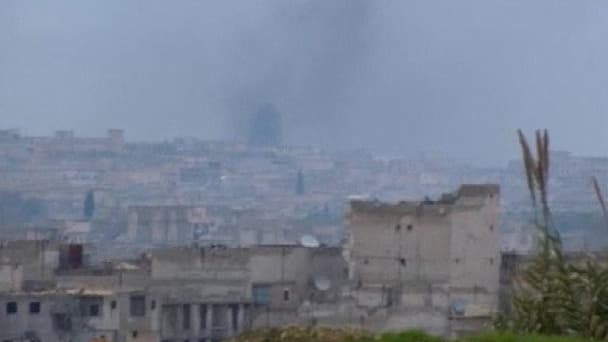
[
  {"x": 303, "y": 60},
  {"x": 452, "y": 77}
]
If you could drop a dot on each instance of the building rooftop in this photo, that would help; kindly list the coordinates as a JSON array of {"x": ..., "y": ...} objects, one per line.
[{"x": 426, "y": 206}]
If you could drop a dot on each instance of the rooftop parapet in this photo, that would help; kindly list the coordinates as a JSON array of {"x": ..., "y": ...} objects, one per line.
[{"x": 445, "y": 203}]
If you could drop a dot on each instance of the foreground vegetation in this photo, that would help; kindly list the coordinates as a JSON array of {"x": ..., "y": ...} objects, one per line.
[
  {"x": 555, "y": 296},
  {"x": 294, "y": 334}
]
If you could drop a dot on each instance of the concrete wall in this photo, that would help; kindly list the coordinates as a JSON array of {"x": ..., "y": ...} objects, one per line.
[
  {"x": 144, "y": 327},
  {"x": 290, "y": 268},
  {"x": 164, "y": 224},
  {"x": 392, "y": 244},
  {"x": 474, "y": 252},
  {"x": 23, "y": 322},
  {"x": 11, "y": 277},
  {"x": 117, "y": 280},
  {"x": 38, "y": 258},
  {"x": 199, "y": 263},
  {"x": 108, "y": 320},
  {"x": 415, "y": 258}
]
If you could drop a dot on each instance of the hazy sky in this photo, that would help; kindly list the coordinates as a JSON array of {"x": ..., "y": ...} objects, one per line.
[{"x": 400, "y": 76}]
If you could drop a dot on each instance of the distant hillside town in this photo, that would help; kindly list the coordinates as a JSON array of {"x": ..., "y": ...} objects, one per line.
[{"x": 152, "y": 194}]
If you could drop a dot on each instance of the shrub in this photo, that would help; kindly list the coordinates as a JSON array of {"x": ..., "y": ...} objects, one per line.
[
  {"x": 512, "y": 337},
  {"x": 556, "y": 297},
  {"x": 409, "y": 336},
  {"x": 304, "y": 334}
]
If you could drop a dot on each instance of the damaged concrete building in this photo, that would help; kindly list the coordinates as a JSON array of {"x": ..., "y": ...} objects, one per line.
[
  {"x": 48, "y": 292},
  {"x": 223, "y": 291},
  {"x": 431, "y": 265}
]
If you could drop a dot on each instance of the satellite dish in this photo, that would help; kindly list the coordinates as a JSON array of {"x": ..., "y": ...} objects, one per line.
[
  {"x": 322, "y": 283},
  {"x": 309, "y": 241},
  {"x": 459, "y": 307}
]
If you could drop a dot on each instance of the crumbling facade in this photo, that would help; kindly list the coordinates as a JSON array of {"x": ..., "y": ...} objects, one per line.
[
  {"x": 431, "y": 264},
  {"x": 170, "y": 294}
]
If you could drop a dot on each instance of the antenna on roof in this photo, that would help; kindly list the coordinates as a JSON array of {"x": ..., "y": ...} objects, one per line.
[{"x": 309, "y": 241}]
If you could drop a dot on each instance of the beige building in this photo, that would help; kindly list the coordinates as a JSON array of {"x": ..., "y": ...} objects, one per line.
[
  {"x": 425, "y": 265},
  {"x": 431, "y": 264},
  {"x": 170, "y": 294},
  {"x": 173, "y": 224}
]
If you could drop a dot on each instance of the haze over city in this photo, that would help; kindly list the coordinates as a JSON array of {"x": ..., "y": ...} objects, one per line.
[
  {"x": 303, "y": 170},
  {"x": 395, "y": 77}
]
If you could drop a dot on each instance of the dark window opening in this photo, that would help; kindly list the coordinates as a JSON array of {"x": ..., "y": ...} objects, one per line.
[
  {"x": 90, "y": 306},
  {"x": 261, "y": 294},
  {"x": 286, "y": 295},
  {"x": 11, "y": 308},
  {"x": 75, "y": 256},
  {"x": 93, "y": 310},
  {"x": 171, "y": 312},
  {"x": 491, "y": 261},
  {"x": 365, "y": 261},
  {"x": 202, "y": 313},
  {"x": 62, "y": 322},
  {"x": 398, "y": 227},
  {"x": 457, "y": 260},
  {"x": 219, "y": 316},
  {"x": 186, "y": 316},
  {"x": 410, "y": 227},
  {"x": 134, "y": 333},
  {"x": 234, "y": 310},
  {"x": 403, "y": 262},
  {"x": 389, "y": 297},
  {"x": 152, "y": 305},
  {"x": 113, "y": 304},
  {"x": 34, "y": 307},
  {"x": 137, "y": 306}
]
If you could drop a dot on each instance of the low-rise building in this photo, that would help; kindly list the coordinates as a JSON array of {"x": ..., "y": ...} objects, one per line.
[{"x": 431, "y": 265}]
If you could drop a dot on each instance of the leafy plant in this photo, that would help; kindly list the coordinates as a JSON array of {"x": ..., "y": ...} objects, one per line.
[{"x": 555, "y": 296}]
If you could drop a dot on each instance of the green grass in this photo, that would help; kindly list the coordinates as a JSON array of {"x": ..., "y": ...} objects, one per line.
[
  {"x": 408, "y": 336},
  {"x": 511, "y": 337},
  {"x": 296, "y": 334}
]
